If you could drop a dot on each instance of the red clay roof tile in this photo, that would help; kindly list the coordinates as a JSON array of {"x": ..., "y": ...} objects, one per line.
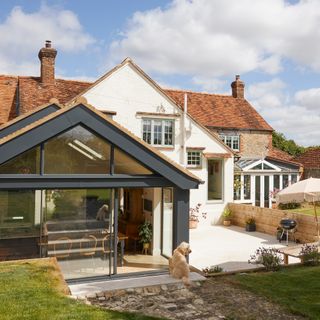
[{"x": 310, "y": 159}]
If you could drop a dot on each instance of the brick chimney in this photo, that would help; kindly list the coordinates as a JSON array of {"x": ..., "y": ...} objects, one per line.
[
  {"x": 237, "y": 88},
  {"x": 47, "y": 57}
]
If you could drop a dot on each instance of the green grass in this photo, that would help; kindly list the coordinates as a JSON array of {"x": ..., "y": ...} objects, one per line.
[
  {"x": 34, "y": 290},
  {"x": 305, "y": 210},
  {"x": 296, "y": 288}
]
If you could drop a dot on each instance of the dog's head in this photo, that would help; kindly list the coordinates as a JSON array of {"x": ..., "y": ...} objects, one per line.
[{"x": 184, "y": 248}]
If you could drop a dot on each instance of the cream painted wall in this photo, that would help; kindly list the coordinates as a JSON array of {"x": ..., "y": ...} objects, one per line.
[{"x": 127, "y": 91}]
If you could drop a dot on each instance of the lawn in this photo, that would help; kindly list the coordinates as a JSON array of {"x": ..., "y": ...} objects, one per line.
[
  {"x": 306, "y": 209},
  {"x": 32, "y": 289},
  {"x": 296, "y": 288}
]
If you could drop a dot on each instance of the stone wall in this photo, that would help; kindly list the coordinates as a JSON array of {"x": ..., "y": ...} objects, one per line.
[{"x": 267, "y": 220}]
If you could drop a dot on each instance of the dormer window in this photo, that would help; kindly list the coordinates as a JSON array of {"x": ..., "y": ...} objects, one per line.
[
  {"x": 158, "y": 132},
  {"x": 232, "y": 141}
]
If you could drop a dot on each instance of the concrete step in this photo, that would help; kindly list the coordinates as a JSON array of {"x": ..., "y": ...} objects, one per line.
[{"x": 98, "y": 288}]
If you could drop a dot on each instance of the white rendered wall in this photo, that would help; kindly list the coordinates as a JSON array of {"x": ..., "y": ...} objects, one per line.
[{"x": 127, "y": 92}]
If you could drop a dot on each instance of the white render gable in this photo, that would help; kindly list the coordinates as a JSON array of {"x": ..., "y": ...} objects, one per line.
[{"x": 134, "y": 97}]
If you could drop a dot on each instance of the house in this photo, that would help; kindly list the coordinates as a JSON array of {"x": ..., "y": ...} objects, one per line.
[
  {"x": 130, "y": 97},
  {"x": 311, "y": 163}
]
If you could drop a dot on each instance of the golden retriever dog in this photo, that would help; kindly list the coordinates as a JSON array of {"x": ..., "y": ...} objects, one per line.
[{"x": 178, "y": 265}]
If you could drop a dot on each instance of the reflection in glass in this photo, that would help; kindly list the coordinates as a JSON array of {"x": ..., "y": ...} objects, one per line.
[
  {"x": 215, "y": 179},
  {"x": 77, "y": 151},
  {"x": 236, "y": 187},
  {"x": 124, "y": 164},
  {"x": 167, "y": 222},
  {"x": 25, "y": 163},
  {"x": 247, "y": 187}
]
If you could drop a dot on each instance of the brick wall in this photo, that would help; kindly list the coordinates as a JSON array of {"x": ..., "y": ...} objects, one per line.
[
  {"x": 267, "y": 220},
  {"x": 8, "y": 88}
]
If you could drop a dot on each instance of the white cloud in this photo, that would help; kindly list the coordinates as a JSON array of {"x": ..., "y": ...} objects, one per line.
[
  {"x": 298, "y": 119},
  {"x": 22, "y": 34},
  {"x": 221, "y": 38}
]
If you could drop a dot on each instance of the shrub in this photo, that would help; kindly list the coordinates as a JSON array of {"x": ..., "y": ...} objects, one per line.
[
  {"x": 270, "y": 258},
  {"x": 289, "y": 206},
  {"x": 250, "y": 220},
  {"x": 227, "y": 214},
  {"x": 310, "y": 255},
  {"x": 212, "y": 269},
  {"x": 194, "y": 213}
]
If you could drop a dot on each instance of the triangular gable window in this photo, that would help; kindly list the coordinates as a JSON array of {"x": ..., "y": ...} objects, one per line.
[
  {"x": 124, "y": 164},
  {"x": 77, "y": 151},
  {"x": 25, "y": 163},
  {"x": 261, "y": 165}
]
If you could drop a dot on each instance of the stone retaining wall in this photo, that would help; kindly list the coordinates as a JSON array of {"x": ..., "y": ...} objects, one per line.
[{"x": 267, "y": 220}]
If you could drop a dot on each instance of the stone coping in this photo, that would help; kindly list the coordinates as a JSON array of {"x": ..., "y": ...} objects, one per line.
[{"x": 89, "y": 289}]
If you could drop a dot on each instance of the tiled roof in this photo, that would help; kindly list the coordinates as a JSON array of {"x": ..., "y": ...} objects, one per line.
[
  {"x": 33, "y": 94},
  {"x": 277, "y": 154},
  {"x": 310, "y": 159},
  {"x": 220, "y": 111},
  {"x": 8, "y": 86}
]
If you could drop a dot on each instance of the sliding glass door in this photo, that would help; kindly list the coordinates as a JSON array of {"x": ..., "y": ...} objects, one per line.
[{"x": 78, "y": 230}]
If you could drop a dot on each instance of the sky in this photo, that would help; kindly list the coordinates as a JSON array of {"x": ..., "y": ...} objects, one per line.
[{"x": 197, "y": 45}]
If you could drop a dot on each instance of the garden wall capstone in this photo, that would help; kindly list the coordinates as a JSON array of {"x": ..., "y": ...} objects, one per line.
[{"x": 267, "y": 220}]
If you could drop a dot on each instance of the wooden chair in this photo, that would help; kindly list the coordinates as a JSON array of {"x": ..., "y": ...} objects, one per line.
[
  {"x": 89, "y": 245},
  {"x": 67, "y": 246}
]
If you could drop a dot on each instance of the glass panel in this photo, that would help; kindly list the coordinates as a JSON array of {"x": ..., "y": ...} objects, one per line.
[
  {"x": 236, "y": 187},
  {"x": 215, "y": 179},
  {"x": 124, "y": 164},
  {"x": 267, "y": 167},
  {"x": 229, "y": 141},
  {"x": 257, "y": 167},
  {"x": 167, "y": 222},
  {"x": 157, "y": 132},
  {"x": 293, "y": 178},
  {"x": 266, "y": 191},
  {"x": 257, "y": 191},
  {"x": 276, "y": 182},
  {"x": 168, "y": 132},
  {"x": 78, "y": 231},
  {"x": 25, "y": 163},
  {"x": 247, "y": 187},
  {"x": 285, "y": 181},
  {"x": 146, "y": 131},
  {"x": 235, "y": 143},
  {"x": 77, "y": 151},
  {"x": 20, "y": 213}
]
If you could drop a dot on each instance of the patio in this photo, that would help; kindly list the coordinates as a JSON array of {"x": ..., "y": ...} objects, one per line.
[{"x": 228, "y": 247}]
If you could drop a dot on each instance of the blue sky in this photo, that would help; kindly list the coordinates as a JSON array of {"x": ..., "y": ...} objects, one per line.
[{"x": 198, "y": 45}]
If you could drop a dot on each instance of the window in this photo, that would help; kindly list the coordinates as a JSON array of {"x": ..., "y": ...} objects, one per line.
[
  {"x": 293, "y": 178},
  {"x": 194, "y": 158},
  {"x": 158, "y": 132},
  {"x": 232, "y": 141},
  {"x": 285, "y": 181},
  {"x": 215, "y": 179},
  {"x": 237, "y": 187},
  {"x": 276, "y": 182},
  {"x": 247, "y": 187}
]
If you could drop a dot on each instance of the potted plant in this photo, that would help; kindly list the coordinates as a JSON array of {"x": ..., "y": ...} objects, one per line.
[
  {"x": 226, "y": 214},
  {"x": 194, "y": 214},
  {"x": 250, "y": 224},
  {"x": 145, "y": 234}
]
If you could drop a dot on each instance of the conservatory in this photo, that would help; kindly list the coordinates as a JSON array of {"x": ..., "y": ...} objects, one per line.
[{"x": 78, "y": 187}]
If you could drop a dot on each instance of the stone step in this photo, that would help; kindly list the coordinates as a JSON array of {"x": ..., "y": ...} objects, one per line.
[{"x": 113, "y": 287}]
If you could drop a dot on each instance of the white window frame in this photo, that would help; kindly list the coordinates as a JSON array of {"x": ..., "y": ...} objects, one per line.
[
  {"x": 200, "y": 159},
  {"x": 225, "y": 137},
  {"x": 163, "y": 121}
]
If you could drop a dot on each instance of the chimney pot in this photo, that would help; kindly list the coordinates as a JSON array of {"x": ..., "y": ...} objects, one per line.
[
  {"x": 48, "y": 43},
  {"x": 47, "y": 56},
  {"x": 237, "y": 88}
]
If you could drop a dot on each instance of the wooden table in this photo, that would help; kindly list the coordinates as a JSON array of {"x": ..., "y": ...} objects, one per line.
[{"x": 294, "y": 251}]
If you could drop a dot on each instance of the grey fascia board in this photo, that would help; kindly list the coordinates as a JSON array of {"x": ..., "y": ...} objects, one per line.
[{"x": 28, "y": 120}]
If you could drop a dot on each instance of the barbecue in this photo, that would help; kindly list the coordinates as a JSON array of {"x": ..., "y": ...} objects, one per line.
[{"x": 287, "y": 225}]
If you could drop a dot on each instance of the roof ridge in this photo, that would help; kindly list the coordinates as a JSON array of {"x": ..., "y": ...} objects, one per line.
[{"x": 198, "y": 92}]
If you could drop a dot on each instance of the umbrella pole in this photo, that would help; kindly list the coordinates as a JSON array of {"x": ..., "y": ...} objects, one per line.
[{"x": 317, "y": 221}]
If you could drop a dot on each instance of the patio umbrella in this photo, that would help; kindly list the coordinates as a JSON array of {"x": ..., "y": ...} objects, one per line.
[{"x": 304, "y": 190}]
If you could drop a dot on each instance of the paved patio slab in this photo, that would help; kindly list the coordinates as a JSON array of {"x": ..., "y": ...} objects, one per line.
[{"x": 228, "y": 247}]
